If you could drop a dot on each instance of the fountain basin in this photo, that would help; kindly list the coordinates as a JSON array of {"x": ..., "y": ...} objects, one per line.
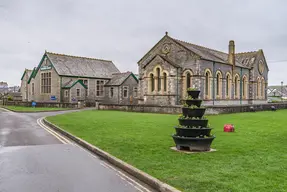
[
  {"x": 192, "y": 132},
  {"x": 193, "y": 122},
  {"x": 195, "y": 102},
  {"x": 193, "y": 143},
  {"x": 194, "y": 94},
  {"x": 196, "y": 112}
]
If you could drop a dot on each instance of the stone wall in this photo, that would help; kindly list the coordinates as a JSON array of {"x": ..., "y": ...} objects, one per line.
[
  {"x": 42, "y": 104},
  {"x": 177, "y": 109},
  {"x": 179, "y": 55},
  {"x": 25, "y": 87},
  {"x": 55, "y": 85},
  {"x": 118, "y": 93},
  {"x": 91, "y": 92}
]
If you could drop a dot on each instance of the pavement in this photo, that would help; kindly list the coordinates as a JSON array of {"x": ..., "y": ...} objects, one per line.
[{"x": 34, "y": 159}]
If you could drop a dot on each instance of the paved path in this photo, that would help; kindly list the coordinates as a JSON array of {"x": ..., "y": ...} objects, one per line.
[{"x": 33, "y": 160}]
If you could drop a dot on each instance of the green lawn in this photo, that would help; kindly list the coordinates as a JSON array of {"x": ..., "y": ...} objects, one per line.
[
  {"x": 253, "y": 158},
  {"x": 30, "y": 109}
]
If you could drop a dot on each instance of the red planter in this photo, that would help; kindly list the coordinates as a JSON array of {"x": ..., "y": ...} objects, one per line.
[{"x": 228, "y": 128}]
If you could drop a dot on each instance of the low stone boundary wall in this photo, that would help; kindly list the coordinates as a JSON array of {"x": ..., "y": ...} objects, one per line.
[
  {"x": 142, "y": 108},
  {"x": 177, "y": 109},
  {"x": 42, "y": 104}
]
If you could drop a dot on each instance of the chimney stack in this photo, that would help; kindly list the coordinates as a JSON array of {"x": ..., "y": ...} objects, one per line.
[{"x": 231, "y": 53}]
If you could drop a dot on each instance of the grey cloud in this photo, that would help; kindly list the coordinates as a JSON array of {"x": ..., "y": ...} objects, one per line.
[{"x": 123, "y": 31}]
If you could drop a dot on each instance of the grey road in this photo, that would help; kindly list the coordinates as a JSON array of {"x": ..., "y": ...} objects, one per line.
[{"x": 33, "y": 160}]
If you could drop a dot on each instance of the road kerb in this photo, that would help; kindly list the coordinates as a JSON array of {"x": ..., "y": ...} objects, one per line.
[{"x": 142, "y": 176}]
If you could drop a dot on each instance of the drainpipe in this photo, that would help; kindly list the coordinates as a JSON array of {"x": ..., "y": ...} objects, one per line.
[
  {"x": 213, "y": 90},
  {"x": 241, "y": 86}
]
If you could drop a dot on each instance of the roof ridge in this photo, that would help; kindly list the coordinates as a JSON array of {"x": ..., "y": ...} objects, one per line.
[
  {"x": 77, "y": 56},
  {"x": 246, "y": 52},
  {"x": 198, "y": 45},
  {"x": 122, "y": 73}
]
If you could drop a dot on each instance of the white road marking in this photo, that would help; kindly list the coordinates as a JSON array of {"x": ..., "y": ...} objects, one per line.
[
  {"x": 120, "y": 174},
  {"x": 59, "y": 137},
  {"x": 145, "y": 190},
  {"x": 125, "y": 177}
]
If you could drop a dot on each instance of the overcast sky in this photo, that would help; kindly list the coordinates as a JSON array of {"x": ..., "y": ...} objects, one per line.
[{"x": 124, "y": 30}]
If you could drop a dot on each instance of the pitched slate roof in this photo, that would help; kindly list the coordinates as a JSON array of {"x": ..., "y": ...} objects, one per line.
[
  {"x": 33, "y": 74},
  {"x": 163, "y": 58},
  {"x": 67, "y": 65},
  {"x": 72, "y": 83},
  {"x": 119, "y": 78},
  {"x": 207, "y": 53},
  {"x": 247, "y": 59},
  {"x": 277, "y": 90},
  {"x": 28, "y": 71}
]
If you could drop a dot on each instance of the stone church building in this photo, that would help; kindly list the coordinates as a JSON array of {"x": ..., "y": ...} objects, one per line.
[{"x": 172, "y": 66}]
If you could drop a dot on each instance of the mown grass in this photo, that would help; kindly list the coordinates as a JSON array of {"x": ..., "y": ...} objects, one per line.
[
  {"x": 30, "y": 109},
  {"x": 253, "y": 158}
]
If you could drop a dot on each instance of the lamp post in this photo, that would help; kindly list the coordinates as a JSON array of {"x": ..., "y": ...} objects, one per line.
[{"x": 281, "y": 90}]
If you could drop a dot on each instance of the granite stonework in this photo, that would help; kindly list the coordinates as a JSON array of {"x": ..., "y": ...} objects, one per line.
[
  {"x": 174, "y": 58},
  {"x": 118, "y": 97},
  {"x": 24, "y": 84},
  {"x": 42, "y": 104},
  {"x": 211, "y": 110}
]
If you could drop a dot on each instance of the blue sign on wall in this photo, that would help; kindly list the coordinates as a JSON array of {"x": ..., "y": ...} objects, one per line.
[
  {"x": 53, "y": 97},
  {"x": 34, "y": 104}
]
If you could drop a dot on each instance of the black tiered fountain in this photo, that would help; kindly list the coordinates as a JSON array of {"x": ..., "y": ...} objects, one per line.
[{"x": 193, "y": 132}]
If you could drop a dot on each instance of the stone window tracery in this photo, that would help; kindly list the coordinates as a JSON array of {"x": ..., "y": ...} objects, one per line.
[
  {"x": 186, "y": 82},
  {"x": 228, "y": 85},
  {"x": 244, "y": 87},
  {"x": 151, "y": 82},
  {"x": 262, "y": 88},
  {"x": 164, "y": 82},
  {"x": 236, "y": 87},
  {"x": 208, "y": 84},
  {"x": 218, "y": 84},
  {"x": 258, "y": 94},
  {"x": 158, "y": 77}
]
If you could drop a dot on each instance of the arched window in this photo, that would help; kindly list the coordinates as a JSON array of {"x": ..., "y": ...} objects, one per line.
[
  {"x": 236, "y": 86},
  {"x": 258, "y": 88},
  {"x": 244, "y": 87},
  {"x": 158, "y": 79},
  {"x": 207, "y": 84},
  {"x": 151, "y": 82},
  {"x": 164, "y": 82},
  {"x": 218, "y": 84},
  {"x": 188, "y": 85},
  {"x": 228, "y": 86},
  {"x": 262, "y": 89},
  {"x": 186, "y": 81}
]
